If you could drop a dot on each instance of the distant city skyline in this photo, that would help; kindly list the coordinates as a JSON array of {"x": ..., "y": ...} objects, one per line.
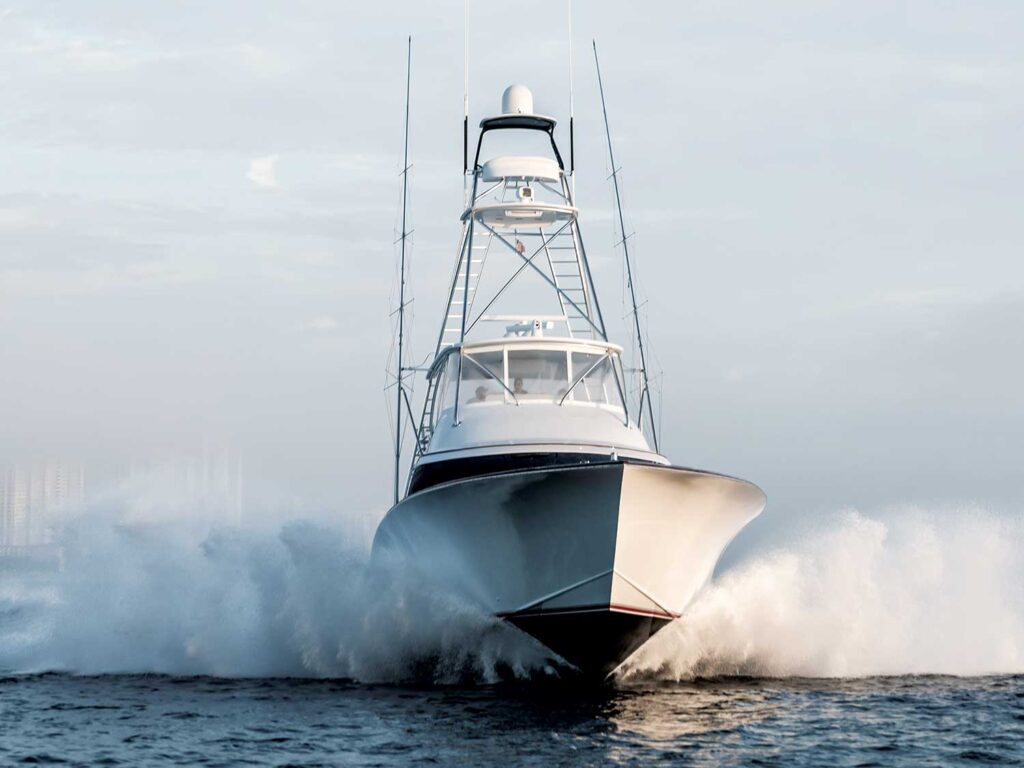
[
  {"x": 36, "y": 498},
  {"x": 211, "y": 479}
]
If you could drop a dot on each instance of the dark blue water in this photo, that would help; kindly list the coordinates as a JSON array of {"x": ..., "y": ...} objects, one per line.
[{"x": 154, "y": 720}]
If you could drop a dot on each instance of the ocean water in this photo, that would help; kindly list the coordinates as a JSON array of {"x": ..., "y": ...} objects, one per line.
[
  {"x": 157, "y": 720},
  {"x": 892, "y": 638}
]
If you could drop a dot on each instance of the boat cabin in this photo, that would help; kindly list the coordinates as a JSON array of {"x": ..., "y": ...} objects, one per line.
[
  {"x": 525, "y": 402},
  {"x": 527, "y": 372},
  {"x": 530, "y": 394}
]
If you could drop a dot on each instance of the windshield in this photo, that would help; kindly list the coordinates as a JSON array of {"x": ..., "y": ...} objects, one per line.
[
  {"x": 597, "y": 384},
  {"x": 525, "y": 376},
  {"x": 538, "y": 374},
  {"x": 483, "y": 377}
]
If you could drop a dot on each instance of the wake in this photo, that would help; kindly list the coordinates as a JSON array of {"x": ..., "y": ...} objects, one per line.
[{"x": 913, "y": 591}]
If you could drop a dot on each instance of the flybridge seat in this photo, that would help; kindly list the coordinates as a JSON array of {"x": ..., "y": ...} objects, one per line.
[
  {"x": 520, "y": 168},
  {"x": 516, "y": 214}
]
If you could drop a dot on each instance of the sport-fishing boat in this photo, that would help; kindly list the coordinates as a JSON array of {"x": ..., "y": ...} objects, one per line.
[{"x": 536, "y": 488}]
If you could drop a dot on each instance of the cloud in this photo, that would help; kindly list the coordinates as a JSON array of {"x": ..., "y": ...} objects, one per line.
[
  {"x": 263, "y": 61},
  {"x": 16, "y": 218},
  {"x": 263, "y": 171},
  {"x": 321, "y": 323}
]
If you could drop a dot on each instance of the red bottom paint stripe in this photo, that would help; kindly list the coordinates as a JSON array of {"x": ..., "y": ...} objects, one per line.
[{"x": 617, "y": 607}]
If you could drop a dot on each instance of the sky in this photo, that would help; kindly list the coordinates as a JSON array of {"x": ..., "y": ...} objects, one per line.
[{"x": 199, "y": 202}]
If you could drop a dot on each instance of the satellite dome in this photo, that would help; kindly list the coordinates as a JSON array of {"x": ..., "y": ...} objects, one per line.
[{"x": 517, "y": 100}]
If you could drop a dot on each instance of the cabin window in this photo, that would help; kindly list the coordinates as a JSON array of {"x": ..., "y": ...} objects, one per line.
[
  {"x": 513, "y": 375},
  {"x": 482, "y": 377},
  {"x": 538, "y": 374},
  {"x": 598, "y": 383},
  {"x": 445, "y": 398}
]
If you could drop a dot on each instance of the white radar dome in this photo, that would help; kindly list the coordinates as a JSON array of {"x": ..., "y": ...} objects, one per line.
[{"x": 517, "y": 100}]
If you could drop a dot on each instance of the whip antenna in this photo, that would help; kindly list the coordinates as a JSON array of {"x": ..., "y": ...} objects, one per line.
[
  {"x": 572, "y": 146},
  {"x": 645, "y": 392},
  {"x": 465, "y": 103},
  {"x": 400, "y": 394}
]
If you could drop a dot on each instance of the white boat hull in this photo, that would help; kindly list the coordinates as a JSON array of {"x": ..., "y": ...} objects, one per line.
[{"x": 589, "y": 559}]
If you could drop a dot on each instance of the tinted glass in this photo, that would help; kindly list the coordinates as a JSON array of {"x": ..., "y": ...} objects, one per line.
[
  {"x": 598, "y": 385},
  {"x": 482, "y": 374},
  {"x": 538, "y": 373}
]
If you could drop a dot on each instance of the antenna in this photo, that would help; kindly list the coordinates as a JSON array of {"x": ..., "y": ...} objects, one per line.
[
  {"x": 572, "y": 149},
  {"x": 400, "y": 393},
  {"x": 465, "y": 103},
  {"x": 645, "y": 392}
]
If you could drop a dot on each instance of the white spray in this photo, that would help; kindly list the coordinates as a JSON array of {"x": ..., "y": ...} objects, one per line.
[
  {"x": 166, "y": 593},
  {"x": 152, "y": 588},
  {"x": 910, "y": 592}
]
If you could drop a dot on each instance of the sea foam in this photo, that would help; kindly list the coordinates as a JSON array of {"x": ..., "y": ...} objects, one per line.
[
  {"x": 175, "y": 596},
  {"x": 908, "y": 591}
]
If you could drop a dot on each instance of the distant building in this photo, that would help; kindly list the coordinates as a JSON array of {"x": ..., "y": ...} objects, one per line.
[
  {"x": 209, "y": 483},
  {"x": 35, "y": 499}
]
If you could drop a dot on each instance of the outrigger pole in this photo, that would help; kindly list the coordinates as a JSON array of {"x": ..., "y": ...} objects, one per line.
[
  {"x": 400, "y": 393},
  {"x": 645, "y": 391}
]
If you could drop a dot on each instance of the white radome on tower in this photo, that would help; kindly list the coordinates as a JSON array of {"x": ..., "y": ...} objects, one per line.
[{"x": 517, "y": 100}]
